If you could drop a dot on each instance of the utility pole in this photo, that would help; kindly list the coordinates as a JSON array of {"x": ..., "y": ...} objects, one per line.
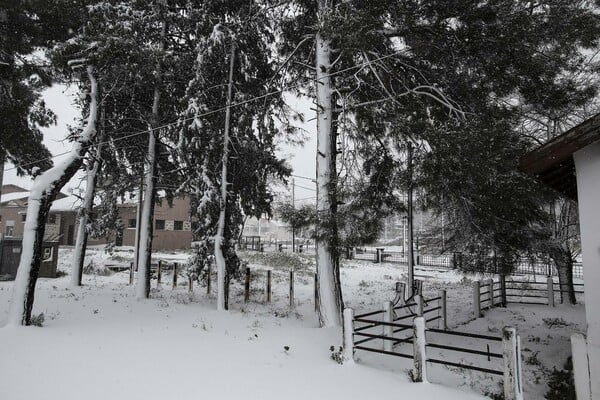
[
  {"x": 410, "y": 254},
  {"x": 294, "y": 206}
]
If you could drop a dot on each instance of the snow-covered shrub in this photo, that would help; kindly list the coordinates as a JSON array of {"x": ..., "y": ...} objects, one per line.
[
  {"x": 94, "y": 268},
  {"x": 38, "y": 320}
]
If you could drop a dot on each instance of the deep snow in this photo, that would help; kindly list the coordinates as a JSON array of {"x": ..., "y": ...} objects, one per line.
[{"x": 100, "y": 342}]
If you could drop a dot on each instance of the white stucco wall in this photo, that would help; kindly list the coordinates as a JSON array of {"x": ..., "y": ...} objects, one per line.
[{"x": 587, "y": 164}]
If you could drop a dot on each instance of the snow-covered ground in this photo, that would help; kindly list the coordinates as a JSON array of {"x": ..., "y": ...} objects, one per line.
[{"x": 99, "y": 342}]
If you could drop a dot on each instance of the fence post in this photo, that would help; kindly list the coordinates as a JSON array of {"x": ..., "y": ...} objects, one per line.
[
  {"x": 379, "y": 255},
  {"x": 316, "y": 294},
  {"x": 581, "y": 366},
  {"x": 550, "y": 282},
  {"x": 348, "y": 344},
  {"x": 419, "y": 354},
  {"x": 131, "y": 273},
  {"x": 388, "y": 330},
  {"x": 443, "y": 311},
  {"x": 190, "y": 284},
  {"x": 503, "y": 289},
  {"x": 159, "y": 274},
  {"x": 174, "y": 275},
  {"x": 292, "y": 302},
  {"x": 511, "y": 349},
  {"x": 476, "y": 299},
  {"x": 268, "y": 286},
  {"x": 491, "y": 291},
  {"x": 208, "y": 273},
  {"x": 262, "y": 247},
  {"x": 247, "y": 286},
  {"x": 419, "y": 301}
]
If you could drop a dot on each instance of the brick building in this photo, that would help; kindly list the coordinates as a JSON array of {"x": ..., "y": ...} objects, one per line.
[{"x": 172, "y": 226}]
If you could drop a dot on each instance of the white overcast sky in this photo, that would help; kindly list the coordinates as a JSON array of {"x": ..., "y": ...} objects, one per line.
[{"x": 61, "y": 99}]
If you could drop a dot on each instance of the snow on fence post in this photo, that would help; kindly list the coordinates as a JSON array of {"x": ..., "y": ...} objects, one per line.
[
  {"x": 419, "y": 302},
  {"x": 268, "y": 288},
  {"x": 419, "y": 373},
  {"x": 348, "y": 344},
  {"x": 247, "y": 286},
  {"x": 131, "y": 273},
  {"x": 581, "y": 367},
  {"x": 477, "y": 299},
  {"x": 550, "y": 283},
  {"x": 174, "y": 276},
  {"x": 511, "y": 349},
  {"x": 443, "y": 311},
  {"x": 159, "y": 274},
  {"x": 388, "y": 330},
  {"x": 490, "y": 285},
  {"x": 292, "y": 302}
]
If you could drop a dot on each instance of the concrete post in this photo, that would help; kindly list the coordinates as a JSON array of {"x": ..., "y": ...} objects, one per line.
[
  {"x": 419, "y": 301},
  {"x": 388, "y": 331},
  {"x": 419, "y": 356},
  {"x": 348, "y": 344},
  {"x": 581, "y": 367},
  {"x": 511, "y": 351}
]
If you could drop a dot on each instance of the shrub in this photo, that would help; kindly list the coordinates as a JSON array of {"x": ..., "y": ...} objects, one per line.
[{"x": 561, "y": 383}]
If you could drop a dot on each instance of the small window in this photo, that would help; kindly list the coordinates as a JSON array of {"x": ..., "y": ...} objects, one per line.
[
  {"x": 131, "y": 223},
  {"x": 160, "y": 224},
  {"x": 23, "y": 217},
  {"x": 52, "y": 219},
  {"x": 48, "y": 253},
  {"x": 178, "y": 226}
]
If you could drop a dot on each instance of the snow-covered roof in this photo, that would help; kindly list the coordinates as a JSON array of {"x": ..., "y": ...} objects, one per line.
[
  {"x": 69, "y": 203},
  {"x": 13, "y": 196}
]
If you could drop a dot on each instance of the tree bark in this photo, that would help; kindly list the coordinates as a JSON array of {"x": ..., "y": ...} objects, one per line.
[
  {"x": 219, "y": 237},
  {"x": 564, "y": 265},
  {"x": 146, "y": 226},
  {"x": 327, "y": 257},
  {"x": 84, "y": 216},
  {"x": 45, "y": 188}
]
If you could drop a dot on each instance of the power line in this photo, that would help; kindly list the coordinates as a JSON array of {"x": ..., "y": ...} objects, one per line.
[{"x": 252, "y": 99}]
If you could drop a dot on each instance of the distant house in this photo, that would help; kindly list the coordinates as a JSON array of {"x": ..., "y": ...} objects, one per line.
[
  {"x": 570, "y": 164},
  {"x": 13, "y": 211},
  {"x": 172, "y": 226}
]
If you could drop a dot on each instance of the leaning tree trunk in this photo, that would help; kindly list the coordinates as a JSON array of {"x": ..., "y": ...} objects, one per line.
[
  {"x": 44, "y": 191},
  {"x": 146, "y": 224},
  {"x": 84, "y": 217},
  {"x": 328, "y": 280},
  {"x": 219, "y": 237}
]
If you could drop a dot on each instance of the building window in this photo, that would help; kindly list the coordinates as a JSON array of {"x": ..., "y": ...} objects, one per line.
[
  {"x": 23, "y": 217},
  {"x": 52, "y": 219},
  {"x": 178, "y": 226},
  {"x": 131, "y": 223},
  {"x": 10, "y": 230},
  {"x": 160, "y": 224}
]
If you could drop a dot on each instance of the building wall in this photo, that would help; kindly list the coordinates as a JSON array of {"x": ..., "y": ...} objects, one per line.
[
  {"x": 176, "y": 232},
  {"x": 587, "y": 163}
]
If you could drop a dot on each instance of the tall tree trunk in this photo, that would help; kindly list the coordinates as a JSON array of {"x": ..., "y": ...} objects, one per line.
[
  {"x": 329, "y": 288},
  {"x": 219, "y": 237},
  {"x": 85, "y": 212},
  {"x": 138, "y": 220},
  {"x": 45, "y": 188},
  {"x": 146, "y": 226}
]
